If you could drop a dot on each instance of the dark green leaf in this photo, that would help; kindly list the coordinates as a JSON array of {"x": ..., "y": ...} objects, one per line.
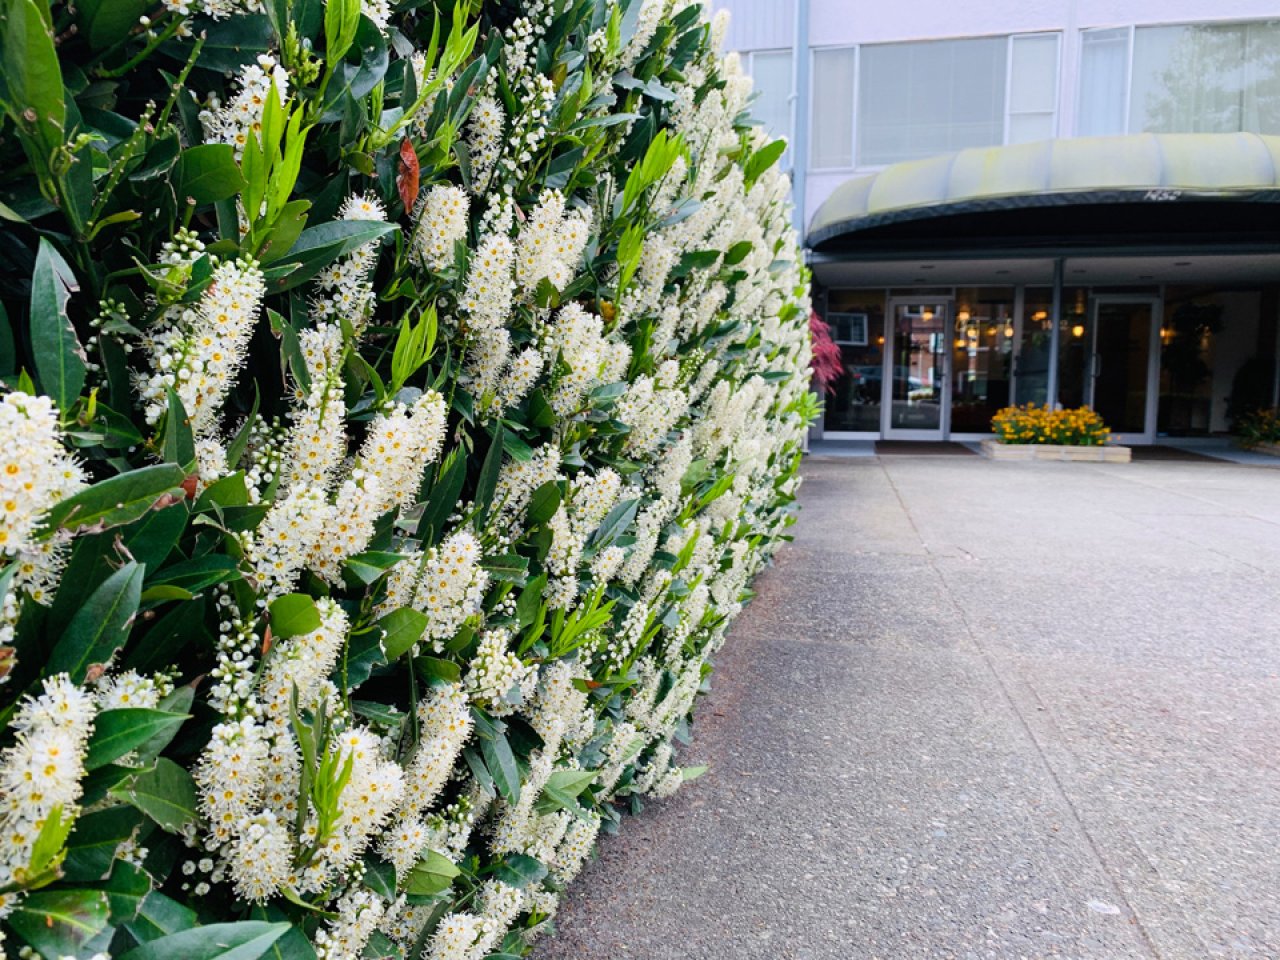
[
  {"x": 119, "y": 500},
  {"x": 59, "y": 358},
  {"x": 402, "y": 628},
  {"x": 544, "y": 503},
  {"x": 519, "y": 870},
  {"x": 364, "y": 652},
  {"x": 166, "y": 794},
  {"x": 91, "y": 848},
  {"x": 246, "y": 940},
  {"x": 320, "y": 245},
  {"x": 106, "y": 21},
  {"x": 127, "y": 888},
  {"x": 433, "y": 668},
  {"x": 207, "y": 173},
  {"x": 489, "y": 473},
  {"x": 179, "y": 441},
  {"x": 56, "y": 923},
  {"x": 502, "y": 767},
  {"x": 159, "y": 917},
  {"x": 117, "y": 732},
  {"x": 433, "y": 874},
  {"x": 100, "y": 626}
]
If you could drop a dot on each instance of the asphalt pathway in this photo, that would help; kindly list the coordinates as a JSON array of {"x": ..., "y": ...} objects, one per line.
[{"x": 979, "y": 710}]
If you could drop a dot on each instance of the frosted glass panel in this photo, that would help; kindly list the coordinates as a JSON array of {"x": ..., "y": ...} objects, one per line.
[
  {"x": 1034, "y": 83},
  {"x": 833, "y": 76},
  {"x": 1104, "y": 68},
  {"x": 1206, "y": 78},
  {"x": 920, "y": 99}
]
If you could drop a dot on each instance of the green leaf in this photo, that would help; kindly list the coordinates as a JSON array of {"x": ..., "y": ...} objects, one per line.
[
  {"x": 166, "y": 794},
  {"x": 444, "y": 497},
  {"x": 118, "y": 500},
  {"x": 158, "y": 917},
  {"x": 105, "y": 22},
  {"x": 402, "y": 628},
  {"x": 179, "y": 441},
  {"x": 293, "y": 615},
  {"x": 380, "y": 877},
  {"x": 762, "y": 160},
  {"x": 738, "y": 252},
  {"x": 363, "y": 653},
  {"x": 246, "y": 940},
  {"x": 489, "y": 473},
  {"x": 615, "y": 523},
  {"x": 544, "y": 503},
  {"x": 59, "y": 357},
  {"x": 320, "y": 245},
  {"x": 127, "y": 888},
  {"x": 433, "y": 874},
  {"x": 234, "y": 42},
  {"x": 294, "y": 945},
  {"x": 30, "y": 78},
  {"x": 100, "y": 627},
  {"x": 117, "y": 732},
  {"x": 91, "y": 849},
  {"x": 47, "y": 852},
  {"x": 57, "y": 923},
  {"x": 372, "y": 564},
  {"x": 562, "y": 790},
  {"x": 151, "y": 539},
  {"x": 502, "y": 767},
  {"x": 519, "y": 870},
  {"x": 434, "y": 668},
  {"x": 509, "y": 567},
  {"x": 207, "y": 173}
]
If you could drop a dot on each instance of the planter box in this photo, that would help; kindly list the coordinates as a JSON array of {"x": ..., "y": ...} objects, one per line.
[
  {"x": 995, "y": 450},
  {"x": 1271, "y": 449}
]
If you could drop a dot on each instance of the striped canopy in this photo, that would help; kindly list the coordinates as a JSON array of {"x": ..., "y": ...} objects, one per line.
[{"x": 1143, "y": 167}]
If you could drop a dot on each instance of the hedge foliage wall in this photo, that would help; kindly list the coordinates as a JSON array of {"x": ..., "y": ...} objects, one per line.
[{"x": 399, "y": 399}]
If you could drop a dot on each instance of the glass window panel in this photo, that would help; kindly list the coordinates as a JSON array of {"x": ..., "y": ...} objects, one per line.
[
  {"x": 771, "y": 73},
  {"x": 920, "y": 99},
  {"x": 1034, "y": 85},
  {"x": 857, "y": 319},
  {"x": 832, "y": 122},
  {"x": 1206, "y": 78},
  {"x": 1104, "y": 66},
  {"x": 1026, "y": 127},
  {"x": 982, "y": 342},
  {"x": 1262, "y": 77}
]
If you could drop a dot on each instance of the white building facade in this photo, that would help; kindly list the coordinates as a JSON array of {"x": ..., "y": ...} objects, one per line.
[{"x": 958, "y": 251}]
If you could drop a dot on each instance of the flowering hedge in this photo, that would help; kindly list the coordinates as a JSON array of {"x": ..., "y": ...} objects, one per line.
[
  {"x": 399, "y": 399},
  {"x": 1029, "y": 423}
]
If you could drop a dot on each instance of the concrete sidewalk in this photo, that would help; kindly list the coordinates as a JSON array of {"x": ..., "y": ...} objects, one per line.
[{"x": 979, "y": 710}]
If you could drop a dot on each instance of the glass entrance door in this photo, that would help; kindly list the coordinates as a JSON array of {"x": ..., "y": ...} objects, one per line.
[
  {"x": 917, "y": 401},
  {"x": 1125, "y": 366}
]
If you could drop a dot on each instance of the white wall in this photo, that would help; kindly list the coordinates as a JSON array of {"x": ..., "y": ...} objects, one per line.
[
  {"x": 837, "y": 22},
  {"x": 770, "y": 24}
]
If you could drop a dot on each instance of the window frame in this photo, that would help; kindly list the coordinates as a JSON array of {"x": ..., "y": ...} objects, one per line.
[
  {"x": 853, "y": 107},
  {"x": 1009, "y": 38},
  {"x": 1056, "y": 113}
]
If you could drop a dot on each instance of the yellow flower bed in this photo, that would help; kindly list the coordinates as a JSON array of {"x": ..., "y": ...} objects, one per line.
[{"x": 1030, "y": 423}]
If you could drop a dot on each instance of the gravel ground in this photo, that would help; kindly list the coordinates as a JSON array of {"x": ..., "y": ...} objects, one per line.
[{"x": 978, "y": 710}]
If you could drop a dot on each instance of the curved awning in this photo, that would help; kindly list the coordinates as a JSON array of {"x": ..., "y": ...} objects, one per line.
[{"x": 1091, "y": 173}]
